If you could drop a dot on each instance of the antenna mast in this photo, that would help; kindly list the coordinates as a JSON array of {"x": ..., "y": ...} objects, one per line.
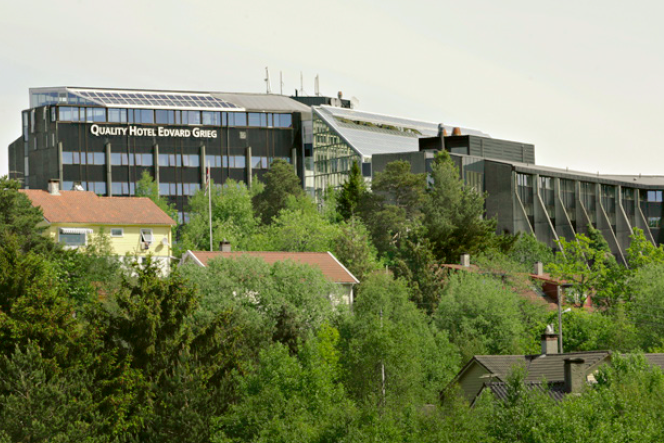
[
  {"x": 267, "y": 81},
  {"x": 281, "y": 82},
  {"x": 317, "y": 86}
]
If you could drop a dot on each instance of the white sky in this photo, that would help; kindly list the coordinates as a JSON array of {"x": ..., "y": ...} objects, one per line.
[{"x": 582, "y": 80}]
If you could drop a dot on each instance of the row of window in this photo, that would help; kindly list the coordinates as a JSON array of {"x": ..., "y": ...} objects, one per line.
[
  {"x": 75, "y": 238},
  {"x": 96, "y": 187},
  {"x": 81, "y": 158},
  {"x": 178, "y": 188},
  {"x": 188, "y": 160},
  {"x": 171, "y": 117},
  {"x": 257, "y": 162}
]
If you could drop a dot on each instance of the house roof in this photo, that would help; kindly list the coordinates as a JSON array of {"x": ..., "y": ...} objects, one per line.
[
  {"x": 548, "y": 366},
  {"x": 86, "y": 207},
  {"x": 332, "y": 269},
  {"x": 555, "y": 390}
]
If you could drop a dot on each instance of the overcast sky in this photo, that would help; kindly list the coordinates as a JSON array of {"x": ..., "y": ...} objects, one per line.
[{"x": 582, "y": 80}]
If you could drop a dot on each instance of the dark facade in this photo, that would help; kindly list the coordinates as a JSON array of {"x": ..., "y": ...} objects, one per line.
[
  {"x": 550, "y": 203},
  {"x": 106, "y": 149}
]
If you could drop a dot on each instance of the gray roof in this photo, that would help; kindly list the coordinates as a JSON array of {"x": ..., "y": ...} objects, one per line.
[
  {"x": 652, "y": 181},
  {"x": 367, "y": 140},
  {"x": 262, "y": 102},
  {"x": 555, "y": 390},
  {"x": 549, "y": 366}
]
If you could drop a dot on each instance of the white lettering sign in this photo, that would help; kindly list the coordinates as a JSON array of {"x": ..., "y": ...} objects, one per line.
[{"x": 151, "y": 131}]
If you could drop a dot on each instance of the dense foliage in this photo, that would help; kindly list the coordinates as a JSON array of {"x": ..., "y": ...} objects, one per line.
[{"x": 245, "y": 351}]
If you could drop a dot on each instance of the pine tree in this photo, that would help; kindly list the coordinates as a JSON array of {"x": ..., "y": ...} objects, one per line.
[{"x": 351, "y": 193}]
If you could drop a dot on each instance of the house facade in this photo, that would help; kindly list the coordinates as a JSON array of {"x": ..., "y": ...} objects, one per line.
[{"x": 133, "y": 226}]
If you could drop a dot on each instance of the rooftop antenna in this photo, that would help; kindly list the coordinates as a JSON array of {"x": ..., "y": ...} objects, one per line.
[
  {"x": 267, "y": 81},
  {"x": 317, "y": 86},
  {"x": 301, "y": 84},
  {"x": 281, "y": 82}
]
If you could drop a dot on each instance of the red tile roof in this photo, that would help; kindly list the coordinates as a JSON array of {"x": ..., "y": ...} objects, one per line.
[
  {"x": 87, "y": 207},
  {"x": 332, "y": 269}
]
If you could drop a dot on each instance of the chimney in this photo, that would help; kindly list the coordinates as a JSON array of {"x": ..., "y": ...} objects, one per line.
[
  {"x": 575, "y": 375},
  {"x": 442, "y": 132},
  {"x": 539, "y": 268},
  {"x": 465, "y": 260},
  {"x": 549, "y": 341},
  {"x": 340, "y": 95},
  {"x": 54, "y": 187},
  {"x": 456, "y": 131},
  {"x": 225, "y": 246}
]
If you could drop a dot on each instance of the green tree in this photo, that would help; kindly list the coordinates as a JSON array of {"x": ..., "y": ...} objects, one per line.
[
  {"x": 291, "y": 398},
  {"x": 527, "y": 250},
  {"x": 388, "y": 332},
  {"x": 354, "y": 249},
  {"x": 20, "y": 220},
  {"x": 281, "y": 182},
  {"x": 298, "y": 230},
  {"x": 232, "y": 217},
  {"x": 147, "y": 187},
  {"x": 352, "y": 192},
  {"x": 483, "y": 317},
  {"x": 453, "y": 214},
  {"x": 589, "y": 269}
]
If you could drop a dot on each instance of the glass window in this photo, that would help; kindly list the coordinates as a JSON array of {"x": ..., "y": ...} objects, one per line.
[
  {"x": 163, "y": 159},
  {"x": 99, "y": 158},
  {"x": 72, "y": 240},
  {"x": 76, "y": 158},
  {"x": 240, "y": 119},
  {"x": 263, "y": 118},
  {"x": 270, "y": 122},
  {"x": 172, "y": 189},
  {"x": 116, "y": 187},
  {"x": 116, "y": 158},
  {"x": 67, "y": 186},
  {"x": 171, "y": 159},
  {"x": 117, "y": 115},
  {"x": 194, "y": 160},
  {"x": 654, "y": 196},
  {"x": 98, "y": 114},
  {"x": 124, "y": 159},
  {"x": 90, "y": 158},
  {"x": 147, "y": 116},
  {"x": 68, "y": 114},
  {"x": 224, "y": 118},
  {"x": 239, "y": 161},
  {"x": 283, "y": 120},
  {"x": 147, "y": 159},
  {"x": 163, "y": 189},
  {"x": 226, "y": 163},
  {"x": 255, "y": 162},
  {"x": 264, "y": 163},
  {"x": 117, "y": 232},
  {"x": 211, "y": 118},
  {"x": 162, "y": 116},
  {"x": 191, "y": 117},
  {"x": 67, "y": 158},
  {"x": 178, "y": 160},
  {"x": 254, "y": 119}
]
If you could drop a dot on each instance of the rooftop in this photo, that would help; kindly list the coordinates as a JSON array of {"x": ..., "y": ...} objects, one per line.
[
  {"x": 161, "y": 99},
  {"x": 332, "y": 269},
  {"x": 86, "y": 207},
  {"x": 370, "y": 133}
]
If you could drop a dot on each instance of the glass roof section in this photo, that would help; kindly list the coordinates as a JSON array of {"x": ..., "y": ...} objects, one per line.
[
  {"x": 368, "y": 133},
  {"x": 154, "y": 99}
]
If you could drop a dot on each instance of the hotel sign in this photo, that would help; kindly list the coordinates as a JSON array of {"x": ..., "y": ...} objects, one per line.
[{"x": 159, "y": 131}]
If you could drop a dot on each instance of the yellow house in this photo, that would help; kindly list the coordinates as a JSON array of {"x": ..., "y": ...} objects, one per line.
[{"x": 134, "y": 225}]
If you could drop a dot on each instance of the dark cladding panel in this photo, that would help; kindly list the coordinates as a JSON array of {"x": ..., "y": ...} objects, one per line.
[
  {"x": 499, "y": 203},
  {"x": 417, "y": 161}
]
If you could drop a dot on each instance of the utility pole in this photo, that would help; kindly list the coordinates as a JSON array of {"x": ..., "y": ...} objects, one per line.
[
  {"x": 560, "y": 319},
  {"x": 382, "y": 363}
]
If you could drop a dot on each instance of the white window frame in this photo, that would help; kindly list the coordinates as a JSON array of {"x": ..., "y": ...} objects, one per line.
[
  {"x": 83, "y": 232},
  {"x": 116, "y": 235},
  {"x": 147, "y": 238}
]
